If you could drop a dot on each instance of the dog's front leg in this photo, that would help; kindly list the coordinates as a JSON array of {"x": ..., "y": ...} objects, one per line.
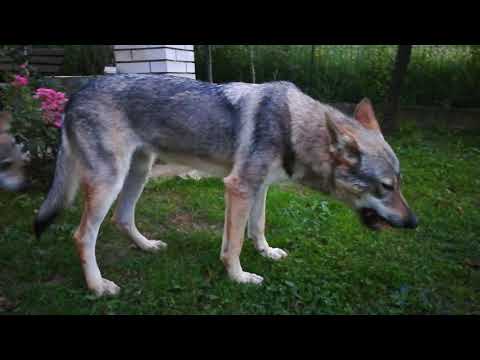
[
  {"x": 238, "y": 203},
  {"x": 256, "y": 227}
]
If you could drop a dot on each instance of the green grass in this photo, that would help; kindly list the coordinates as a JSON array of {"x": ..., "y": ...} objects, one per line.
[{"x": 335, "y": 266}]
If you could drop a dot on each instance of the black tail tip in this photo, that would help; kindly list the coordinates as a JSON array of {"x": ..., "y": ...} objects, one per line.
[
  {"x": 38, "y": 228},
  {"x": 40, "y": 225}
]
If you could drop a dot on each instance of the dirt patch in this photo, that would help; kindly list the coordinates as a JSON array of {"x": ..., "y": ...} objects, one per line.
[
  {"x": 55, "y": 280},
  {"x": 185, "y": 222}
]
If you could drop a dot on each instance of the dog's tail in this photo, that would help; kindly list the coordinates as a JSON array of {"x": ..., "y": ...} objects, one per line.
[{"x": 62, "y": 191}]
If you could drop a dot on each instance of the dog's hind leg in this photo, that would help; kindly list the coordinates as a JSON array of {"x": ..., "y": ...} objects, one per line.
[
  {"x": 256, "y": 227},
  {"x": 124, "y": 215},
  {"x": 99, "y": 196}
]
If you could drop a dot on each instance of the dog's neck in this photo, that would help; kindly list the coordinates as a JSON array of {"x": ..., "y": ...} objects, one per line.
[{"x": 314, "y": 164}]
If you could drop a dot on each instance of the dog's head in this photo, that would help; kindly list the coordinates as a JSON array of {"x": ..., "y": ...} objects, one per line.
[
  {"x": 12, "y": 176},
  {"x": 366, "y": 172}
]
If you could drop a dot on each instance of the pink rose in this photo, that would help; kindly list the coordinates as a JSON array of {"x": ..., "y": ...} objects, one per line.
[
  {"x": 53, "y": 104},
  {"x": 20, "y": 81}
]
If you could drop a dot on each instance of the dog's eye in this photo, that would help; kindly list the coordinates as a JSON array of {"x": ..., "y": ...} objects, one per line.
[{"x": 388, "y": 187}]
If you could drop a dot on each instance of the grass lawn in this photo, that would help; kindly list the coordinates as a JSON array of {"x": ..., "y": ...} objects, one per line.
[{"x": 335, "y": 266}]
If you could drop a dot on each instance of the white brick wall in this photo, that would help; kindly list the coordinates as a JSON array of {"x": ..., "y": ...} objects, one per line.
[
  {"x": 139, "y": 67},
  {"x": 170, "y": 59},
  {"x": 191, "y": 68}
]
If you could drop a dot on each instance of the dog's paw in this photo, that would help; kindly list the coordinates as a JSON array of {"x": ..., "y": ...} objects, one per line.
[
  {"x": 274, "y": 253},
  {"x": 152, "y": 245},
  {"x": 106, "y": 288},
  {"x": 247, "y": 278}
]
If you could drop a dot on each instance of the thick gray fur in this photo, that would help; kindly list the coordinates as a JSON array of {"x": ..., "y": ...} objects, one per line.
[{"x": 252, "y": 135}]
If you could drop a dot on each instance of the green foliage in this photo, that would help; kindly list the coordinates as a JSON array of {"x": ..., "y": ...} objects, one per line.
[
  {"x": 87, "y": 59},
  {"x": 437, "y": 76},
  {"x": 443, "y": 76},
  {"x": 28, "y": 127},
  {"x": 14, "y": 53}
]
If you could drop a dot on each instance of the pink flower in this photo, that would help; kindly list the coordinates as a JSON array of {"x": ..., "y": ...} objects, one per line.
[
  {"x": 20, "y": 81},
  {"x": 58, "y": 121},
  {"x": 53, "y": 105}
]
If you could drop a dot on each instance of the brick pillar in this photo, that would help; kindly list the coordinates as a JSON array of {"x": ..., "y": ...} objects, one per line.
[{"x": 156, "y": 59}]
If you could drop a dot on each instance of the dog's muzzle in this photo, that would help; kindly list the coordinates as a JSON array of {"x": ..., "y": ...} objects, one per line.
[{"x": 373, "y": 220}]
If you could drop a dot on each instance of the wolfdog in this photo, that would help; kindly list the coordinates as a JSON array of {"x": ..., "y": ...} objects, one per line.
[
  {"x": 12, "y": 177},
  {"x": 251, "y": 135}
]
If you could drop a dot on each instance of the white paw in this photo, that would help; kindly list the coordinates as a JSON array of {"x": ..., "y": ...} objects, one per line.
[
  {"x": 247, "y": 278},
  {"x": 274, "y": 254},
  {"x": 152, "y": 245},
  {"x": 106, "y": 288}
]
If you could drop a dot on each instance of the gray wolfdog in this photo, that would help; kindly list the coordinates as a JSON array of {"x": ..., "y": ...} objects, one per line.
[
  {"x": 250, "y": 135},
  {"x": 12, "y": 176}
]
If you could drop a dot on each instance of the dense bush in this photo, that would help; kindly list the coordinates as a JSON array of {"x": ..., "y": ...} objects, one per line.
[
  {"x": 438, "y": 75},
  {"x": 87, "y": 59},
  {"x": 36, "y": 110}
]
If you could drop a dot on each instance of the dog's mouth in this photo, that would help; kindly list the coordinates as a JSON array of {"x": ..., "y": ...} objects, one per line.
[{"x": 373, "y": 220}]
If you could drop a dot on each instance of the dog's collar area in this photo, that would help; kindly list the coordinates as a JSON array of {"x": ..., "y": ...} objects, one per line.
[
  {"x": 288, "y": 154},
  {"x": 289, "y": 160}
]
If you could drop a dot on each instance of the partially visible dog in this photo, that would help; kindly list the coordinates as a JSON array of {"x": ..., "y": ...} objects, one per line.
[
  {"x": 250, "y": 135},
  {"x": 12, "y": 177}
]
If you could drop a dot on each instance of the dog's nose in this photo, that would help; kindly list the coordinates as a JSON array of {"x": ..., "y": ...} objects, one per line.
[{"x": 412, "y": 222}]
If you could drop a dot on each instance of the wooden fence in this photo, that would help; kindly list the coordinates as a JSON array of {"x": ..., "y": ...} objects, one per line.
[{"x": 47, "y": 61}]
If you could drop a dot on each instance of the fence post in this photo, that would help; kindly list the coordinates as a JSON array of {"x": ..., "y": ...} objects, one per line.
[{"x": 399, "y": 71}]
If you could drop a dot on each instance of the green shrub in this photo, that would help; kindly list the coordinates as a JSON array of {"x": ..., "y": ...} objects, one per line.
[
  {"x": 87, "y": 59},
  {"x": 437, "y": 75},
  {"x": 38, "y": 138}
]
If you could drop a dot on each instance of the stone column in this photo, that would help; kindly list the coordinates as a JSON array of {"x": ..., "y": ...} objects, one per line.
[{"x": 156, "y": 59}]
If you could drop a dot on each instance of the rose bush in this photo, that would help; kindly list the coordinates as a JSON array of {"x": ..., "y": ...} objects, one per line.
[{"x": 37, "y": 113}]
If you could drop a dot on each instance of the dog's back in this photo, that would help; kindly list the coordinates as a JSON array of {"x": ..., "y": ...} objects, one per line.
[{"x": 167, "y": 113}]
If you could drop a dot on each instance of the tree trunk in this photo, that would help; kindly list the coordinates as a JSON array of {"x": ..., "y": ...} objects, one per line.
[
  {"x": 390, "y": 122},
  {"x": 208, "y": 62},
  {"x": 312, "y": 69},
  {"x": 252, "y": 63}
]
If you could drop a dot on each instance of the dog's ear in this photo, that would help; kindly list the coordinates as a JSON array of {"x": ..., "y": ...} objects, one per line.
[
  {"x": 365, "y": 115},
  {"x": 343, "y": 145},
  {"x": 5, "y": 119}
]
